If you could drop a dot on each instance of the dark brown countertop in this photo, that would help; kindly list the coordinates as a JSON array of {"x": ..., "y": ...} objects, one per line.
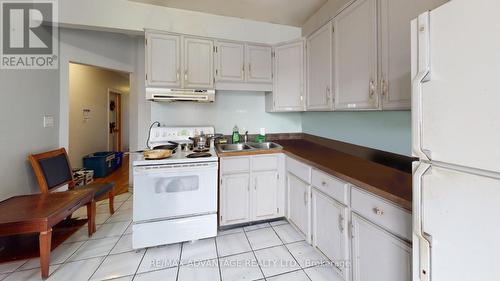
[
  {"x": 389, "y": 183},
  {"x": 384, "y": 174}
]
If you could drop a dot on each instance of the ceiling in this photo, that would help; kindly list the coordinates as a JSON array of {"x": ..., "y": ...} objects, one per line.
[{"x": 287, "y": 12}]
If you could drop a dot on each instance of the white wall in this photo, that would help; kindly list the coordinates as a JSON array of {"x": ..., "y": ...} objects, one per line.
[
  {"x": 107, "y": 50},
  {"x": 245, "y": 109},
  {"x": 27, "y": 95},
  {"x": 126, "y": 52},
  {"x": 89, "y": 90},
  {"x": 134, "y": 17}
]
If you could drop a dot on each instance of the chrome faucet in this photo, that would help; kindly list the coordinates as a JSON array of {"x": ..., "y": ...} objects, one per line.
[{"x": 245, "y": 137}]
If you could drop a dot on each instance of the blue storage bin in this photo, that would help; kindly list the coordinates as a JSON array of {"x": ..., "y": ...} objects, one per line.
[{"x": 102, "y": 163}]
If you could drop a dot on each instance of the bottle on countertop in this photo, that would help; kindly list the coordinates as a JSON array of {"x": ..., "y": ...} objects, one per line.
[
  {"x": 262, "y": 136},
  {"x": 236, "y": 134}
]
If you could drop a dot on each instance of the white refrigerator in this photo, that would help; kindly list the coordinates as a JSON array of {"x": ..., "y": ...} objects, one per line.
[{"x": 456, "y": 136}]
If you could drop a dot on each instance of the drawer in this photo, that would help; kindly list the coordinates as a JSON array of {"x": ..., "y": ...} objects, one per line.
[
  {"x": 231, "y": 165},
  {"x": 163, "y": 232},
  {"x": 299, "y": 169},
  {"x": 382, "y": 213},
  {"x": 265, "y": 163},
  {"x": 331, "y": 186}
]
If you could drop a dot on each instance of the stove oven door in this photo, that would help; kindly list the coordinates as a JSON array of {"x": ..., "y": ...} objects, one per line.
[{"x": 174, "y": 191}]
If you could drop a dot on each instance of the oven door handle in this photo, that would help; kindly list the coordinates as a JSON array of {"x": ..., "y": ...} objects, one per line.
[{"x": 175, "y": 168}]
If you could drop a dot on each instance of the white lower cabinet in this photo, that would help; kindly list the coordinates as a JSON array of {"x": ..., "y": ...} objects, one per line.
[
  {"x": 377, "y": 254},
  {"x": 235, "y": 199},
  {"x": 251, "y": 189},
  {"x": 299, "y": 204},
  {"x": 330, "y": 230},
  {"x": 265, "y": 195},
  {"x": 364, "y": 236}
]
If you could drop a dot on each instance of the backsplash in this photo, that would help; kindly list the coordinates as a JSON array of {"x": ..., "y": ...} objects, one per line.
[
  {"x": 245, "y": 109},
  {"x": 386, "y": 130}
]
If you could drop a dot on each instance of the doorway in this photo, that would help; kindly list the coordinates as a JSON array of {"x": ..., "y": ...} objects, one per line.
[
  {"x": 115, "y": 120},
  {"x": 98, "y": 111}
]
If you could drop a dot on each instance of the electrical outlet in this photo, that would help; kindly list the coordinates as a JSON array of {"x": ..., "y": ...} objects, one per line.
[{"x": 48, "y": 121}]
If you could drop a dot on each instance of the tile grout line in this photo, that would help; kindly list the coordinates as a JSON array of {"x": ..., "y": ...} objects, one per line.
[
  {"x": 179, "y": 263},
  {"x": 291, "y": 253},
  {"x": 255, "y": 256},
  {"x": 68, "y": 259},
  {"x": 105, "y": 257},
  {"x": 138, "y": 266},
  {"x": 218, "y": 258}
]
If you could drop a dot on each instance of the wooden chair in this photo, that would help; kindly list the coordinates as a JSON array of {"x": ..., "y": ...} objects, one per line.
[{"x": 53, "y": 170}]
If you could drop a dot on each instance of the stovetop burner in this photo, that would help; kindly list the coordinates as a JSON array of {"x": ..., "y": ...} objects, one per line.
[{"x": 199, "y": 155}]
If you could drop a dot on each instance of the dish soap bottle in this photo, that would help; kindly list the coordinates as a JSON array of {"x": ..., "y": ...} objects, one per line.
[
  {"x": 262, "y": 136},
  {"x": 236, "y": 134}
]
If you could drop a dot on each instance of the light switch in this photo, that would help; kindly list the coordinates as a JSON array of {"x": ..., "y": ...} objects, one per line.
[{"x": 48, "y": 121}]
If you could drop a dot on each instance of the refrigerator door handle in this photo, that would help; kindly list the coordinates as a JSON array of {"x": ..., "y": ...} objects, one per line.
[
  {"x": 421, "y": 61},
  {"x": 421, "y": 240}
]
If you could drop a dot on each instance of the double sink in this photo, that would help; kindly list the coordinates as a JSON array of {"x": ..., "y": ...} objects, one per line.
[{"x": 250, "y": 146}]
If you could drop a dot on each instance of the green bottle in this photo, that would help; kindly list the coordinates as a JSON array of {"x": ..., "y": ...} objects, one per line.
[
  {"x": 236, "y": 134},
  {"x": 262, "y": 136}
]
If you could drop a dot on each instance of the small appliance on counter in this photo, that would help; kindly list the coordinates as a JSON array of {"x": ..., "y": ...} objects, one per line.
[{"x": 175, "y": 199}]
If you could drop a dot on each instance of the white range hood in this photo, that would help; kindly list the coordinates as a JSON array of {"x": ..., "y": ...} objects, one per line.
[{"x": 171, "y": 95}]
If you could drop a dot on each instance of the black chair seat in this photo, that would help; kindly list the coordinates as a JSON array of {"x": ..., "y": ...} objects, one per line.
[{"x": 101, "y": 188}]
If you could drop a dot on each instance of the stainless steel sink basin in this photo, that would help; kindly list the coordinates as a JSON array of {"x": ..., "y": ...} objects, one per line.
[
  {"x": 235, "y": 147},
  {"x": 266, "y": 145}
]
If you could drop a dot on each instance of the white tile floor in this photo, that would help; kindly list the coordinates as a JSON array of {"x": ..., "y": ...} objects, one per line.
[{"x": 270, "y": 251}]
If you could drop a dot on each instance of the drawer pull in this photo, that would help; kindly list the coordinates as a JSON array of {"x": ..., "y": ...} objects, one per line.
[
  {"x": 341, "y": 223},
  {"x": 323, "y": 183},
  {"x": 378, "y": 211}
]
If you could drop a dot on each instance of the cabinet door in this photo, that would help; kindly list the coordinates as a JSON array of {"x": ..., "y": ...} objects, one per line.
[
  {"x": 355, "y": 56},
  {"x": 260, "y": 67},
  {"x": 163, "y": 59},
  {"x": 319, "y": 69},
  {"x": 298, "y": 204},
  {"x": 198, "y": 63},
  {"x": 230, "y": 62},
  {"x": 289, "y": 77},
  {"x": 265, "y": 196},
  {"x": 329, "y": 228},
  {"x": 235, "y": 199},
  {"x": 395, "y": 77},
  {"x": 377, "y": 255}
]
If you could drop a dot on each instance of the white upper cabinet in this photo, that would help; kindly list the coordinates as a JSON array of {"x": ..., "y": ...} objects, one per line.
[
  {"x": 230, "y": 62},
  {"x": 319, "y": 69},
  {"x": 355, "y": 56},
  {"x": 288, "y": 85},
  {"x": 198, "y": 63},
  {"x": 395, "y": 42},
  {"x": 377, "y": 255},
  {"x": 163, "y": 60},
  {"x": 259, "y": 60}
]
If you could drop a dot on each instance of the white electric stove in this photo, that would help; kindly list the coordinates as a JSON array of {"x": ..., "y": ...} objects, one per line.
[{"x": 175, "y": 199}]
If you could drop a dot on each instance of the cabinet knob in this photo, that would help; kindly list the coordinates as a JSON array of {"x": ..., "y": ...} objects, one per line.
[
  {"x": 341, "y": 223},
  {"x": 378, "y": 211},
  {"x": 372, "y": 89},
  {"x": 323, "y": 183}
]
